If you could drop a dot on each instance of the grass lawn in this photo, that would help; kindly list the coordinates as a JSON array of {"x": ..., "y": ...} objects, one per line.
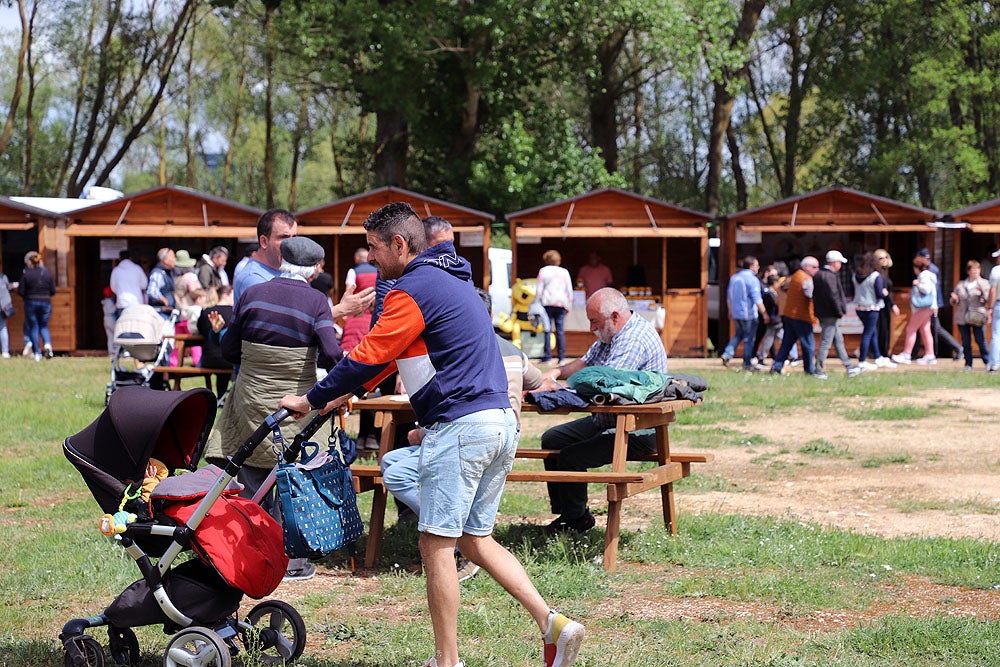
[{"x": 728, "y": 590}]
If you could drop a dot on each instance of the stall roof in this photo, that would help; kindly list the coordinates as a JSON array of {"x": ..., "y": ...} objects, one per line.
[
  {"x": 833, "y": 209},
  {"x": 347, "y": 216},
  {"x": 166, "y": 211},
  {"x": 982, "y": 218},
  {"x": 18, "y": 216},
  {"x": 609, "y": 212}
]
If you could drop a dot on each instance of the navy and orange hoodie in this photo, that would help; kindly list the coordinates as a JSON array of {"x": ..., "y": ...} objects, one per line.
[{"x": 437, "y": 332}]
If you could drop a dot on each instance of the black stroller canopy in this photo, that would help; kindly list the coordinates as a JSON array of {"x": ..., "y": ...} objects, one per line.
[{"x": 140, "y": 423}]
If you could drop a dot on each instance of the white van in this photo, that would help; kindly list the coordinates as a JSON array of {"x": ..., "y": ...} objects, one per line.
[{"x": 500, "y": 281}]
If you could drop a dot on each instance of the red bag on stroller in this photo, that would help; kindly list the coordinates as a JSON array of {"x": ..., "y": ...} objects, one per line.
[{"x": 240, "y": 540}]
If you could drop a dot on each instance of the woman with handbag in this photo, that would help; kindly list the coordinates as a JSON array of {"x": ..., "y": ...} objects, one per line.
[
  {"x": 923, "y": 304},
  {"x": 971, "y": 314}
]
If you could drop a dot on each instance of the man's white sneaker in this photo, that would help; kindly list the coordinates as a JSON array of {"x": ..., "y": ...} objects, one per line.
[
  {"x": 884, "y": 362},
  {"x": 26, "y": 352},
  {"x": 562, "y": 641},
  {"x": 868, "y": 366},
  {"x": 902, "y": 358},
  {"x": 927, "y": 360}
]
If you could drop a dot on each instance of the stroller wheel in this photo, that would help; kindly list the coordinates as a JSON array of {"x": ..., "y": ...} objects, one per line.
[
  {"x": 123, "y": 646},
  {"x": 278, "y": 634},
  {"x": 84, "y": 651},
  {"x": 197, "y": 647}
]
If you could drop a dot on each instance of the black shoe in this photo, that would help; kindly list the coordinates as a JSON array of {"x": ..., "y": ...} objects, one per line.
[{"x": 579, "y": 525}]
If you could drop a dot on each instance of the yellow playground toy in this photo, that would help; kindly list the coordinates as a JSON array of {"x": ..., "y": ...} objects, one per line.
[{"x": 522, "y": 293}]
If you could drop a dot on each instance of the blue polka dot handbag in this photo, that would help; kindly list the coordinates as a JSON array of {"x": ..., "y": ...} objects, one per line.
[{"x": 319, "y": 508}]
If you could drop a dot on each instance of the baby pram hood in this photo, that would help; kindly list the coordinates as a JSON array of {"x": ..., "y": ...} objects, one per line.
[
  {"x": 139, "y": 423},
  {"x": 140, "y": 330}
]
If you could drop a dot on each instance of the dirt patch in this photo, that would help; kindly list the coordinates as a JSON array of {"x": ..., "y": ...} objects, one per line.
[{"x": 935, "y": 476}]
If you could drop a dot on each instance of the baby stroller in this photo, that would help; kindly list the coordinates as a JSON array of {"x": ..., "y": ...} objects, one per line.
[
  {"x": 142, "y": 339},
  {"x": 237, "y": 547}
]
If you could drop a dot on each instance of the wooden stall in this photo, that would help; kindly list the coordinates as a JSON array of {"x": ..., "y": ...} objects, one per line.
[
  {"x": 165, "y": 216},
  {"x": 24, "y": 228},
  {"x": 834, "y": 217},
  {"x": 342, "y": 221},
  {"x": 657, "y": 252}
]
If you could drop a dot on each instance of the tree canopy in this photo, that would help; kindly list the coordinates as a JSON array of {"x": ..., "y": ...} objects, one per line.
[{"x": 504, "y": 104}]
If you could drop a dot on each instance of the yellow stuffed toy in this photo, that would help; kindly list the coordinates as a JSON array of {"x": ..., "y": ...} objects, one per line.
[{"x": 522, "y": 293}]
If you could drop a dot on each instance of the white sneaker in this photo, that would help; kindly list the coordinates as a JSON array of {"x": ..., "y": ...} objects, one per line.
[
  {"x": 26, "y": 352},
  {"x": 884, "y": 362},
  {"x": 38, "y": 357},
  {"x": 868, "y": 366},
  {"x": 903, "y": 358},
  {"x": 854, "y": 371},
  {"x": 432, "y": 662},
  {"x": 6, "y": 355},
  {"x": 562, "y": 641},
  {"x": 927, "y": 360}
]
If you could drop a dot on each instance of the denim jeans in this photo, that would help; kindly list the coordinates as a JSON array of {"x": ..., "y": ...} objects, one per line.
[
  {"x": 967, "y": 332},
  {"x": 463, "y": 466},
  {"x": 995, "y": 333},
  {"x": 401, "y": 475},
  {"x": 557, "y": 317},
  {"x": 746, "y": 330},
  {"x": 869, "y": 335},
  {"x": 36, "y": 322},
  {"x": 801, "y": 331}
]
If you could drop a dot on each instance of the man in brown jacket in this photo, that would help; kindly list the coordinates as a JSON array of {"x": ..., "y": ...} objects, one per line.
[{"x": 797, "y": 316}]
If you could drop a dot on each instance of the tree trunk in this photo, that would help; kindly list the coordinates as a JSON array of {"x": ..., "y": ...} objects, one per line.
[
  {"x": 723, "y": 104},
  {"x": 235, "y": 128},
  {"x": 738, "y": 178},
  {"x": 22, "y": 56},
  {"x": 603, "y": 101},
  {"x": 269, "y": 49},
  {"x": 189, "y": 151},
  {"x": 391, "y": 144},
  {"x": 298, "y": 139},
  {"x": 29, "y": 110}
]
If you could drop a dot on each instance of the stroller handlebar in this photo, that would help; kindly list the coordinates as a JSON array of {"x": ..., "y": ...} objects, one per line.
[
  {"x": 246, "y": 449},
  {"x": 292, "y": 451}
]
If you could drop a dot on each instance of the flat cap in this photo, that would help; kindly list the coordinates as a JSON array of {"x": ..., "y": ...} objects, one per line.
[{"x": 301, "y": 251}]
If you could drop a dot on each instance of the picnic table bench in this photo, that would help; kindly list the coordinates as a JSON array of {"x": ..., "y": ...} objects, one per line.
[
  {"x": 621, "y": 484},
  {"x": 183, "y": 344}
]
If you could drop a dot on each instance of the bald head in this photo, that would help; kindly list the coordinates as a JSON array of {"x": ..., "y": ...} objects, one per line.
[{"x": 607, "y": 312}]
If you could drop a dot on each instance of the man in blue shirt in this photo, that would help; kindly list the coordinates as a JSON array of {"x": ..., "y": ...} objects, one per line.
[
  {"x": 625, "y": 341},
  {"x": 745, "y": 304},
  {"x": 273, "y": 227}
]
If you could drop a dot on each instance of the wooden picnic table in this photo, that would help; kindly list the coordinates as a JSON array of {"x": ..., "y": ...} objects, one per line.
[{"x": 390, "y": 411}]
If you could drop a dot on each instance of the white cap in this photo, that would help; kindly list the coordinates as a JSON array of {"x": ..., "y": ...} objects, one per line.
[{"x": 835, "y": 256}]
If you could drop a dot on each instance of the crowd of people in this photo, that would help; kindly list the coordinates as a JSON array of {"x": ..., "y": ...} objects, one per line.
[{"x": 775, "y": 312}]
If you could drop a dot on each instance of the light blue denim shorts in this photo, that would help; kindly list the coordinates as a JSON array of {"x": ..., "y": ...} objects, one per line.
[{"x": 463, "y": 467}]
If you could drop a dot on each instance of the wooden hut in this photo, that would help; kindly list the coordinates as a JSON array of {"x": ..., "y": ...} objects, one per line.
[
  {"x": 165, "y": 216},
  {"x": 343, "y": 220},
  {"x": 658, "y": 254},
  {"x": 23, "y": 228},
  {"x": 811, "y": 224}
]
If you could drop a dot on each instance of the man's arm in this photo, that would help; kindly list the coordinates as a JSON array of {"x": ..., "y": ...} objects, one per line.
[{"x": 564, "y": 371}]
